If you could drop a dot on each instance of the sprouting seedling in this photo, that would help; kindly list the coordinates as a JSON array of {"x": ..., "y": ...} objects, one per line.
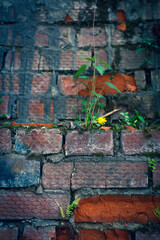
[
  {"x": 152, "y": 164},
  {"x": 70, "y": 208}
]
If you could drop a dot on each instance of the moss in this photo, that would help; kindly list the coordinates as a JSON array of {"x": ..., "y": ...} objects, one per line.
[{"x": 99, "y": 154}]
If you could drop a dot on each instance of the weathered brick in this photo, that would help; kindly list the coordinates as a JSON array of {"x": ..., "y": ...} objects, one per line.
[
  {"x": 140, "y": 80},
  {"x": 135, "y": 142},
  {"x": 38, "y": 141},
  {"x": 67, "y": 37},
  {"x": 110, "y": 175},
  {"x": 155, "y": 76},
  {"x": 66, "y": 62},
  {"x": 80, "y": 61},
  {"x": 147, "y": 235},
  {"x": 89, "y": 143},
  {"x": 41, "y": 39},
  {"x": 40, "y": 83},
  {"x": 85, "y": 37},
  {"x": 4, "y": 105},
  {"x": 115, "y": 208},
  {"x": 8, "y": 61},
  {"x": 5, "y": 140},
  {"x": 1, "y": 81},
  {"x": 36, "y": 60},
  {"x": 17, "y": 61},
  {"x": 43, "y": 233},
  {"x": 7, "y": 233},
  {"x": 7, "y": 83},
  {"x": 117, "y": 234},
  {"x": 131, "y": 60},
  {"x": 16, "y": 84},
  {"x": 147, "y": 105},
  {"x": 29, "y": 205},
  {"x": 156, "y": 175},
  {"x": 57, "y": 176},
  {"x": 18, "y": 172},
  {"x": 36, "y": 108}
]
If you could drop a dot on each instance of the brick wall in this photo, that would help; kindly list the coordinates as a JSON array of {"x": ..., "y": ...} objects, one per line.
[
  {"x": 41, "y": 42},
  {"x": 108, "y": 170}
]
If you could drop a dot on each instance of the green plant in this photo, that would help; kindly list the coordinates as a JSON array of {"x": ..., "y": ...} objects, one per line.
[
  {"x": 70, "y": 208},
  {"x": 137, "y": 121},
  {"x": 91, "y": 119},
  {"x": 152, "y": 164},
  {"x": 157, "y": 212}
]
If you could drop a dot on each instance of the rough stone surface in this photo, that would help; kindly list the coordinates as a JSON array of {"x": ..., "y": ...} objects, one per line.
[
  {"x": 43, "y": 233},
  {"x": 135, "y": 142},
  {"x": 57, "y": 176},
  {"x": 29, "y": 205},
  {"x": 8, "y": 233},
  {"x": 110, "y": 175},
  {"x": 38, "y": 141},
  {"x": 89, "y": 143},
  {"x": 18, "y": 172},
  {"x": 156, "y": 175},
  {"x": 140, "y": 79},
  {"x": 5, "y": 140},
  {"x": 147, "y": 235},
  {"x": 113, "y": 208}
]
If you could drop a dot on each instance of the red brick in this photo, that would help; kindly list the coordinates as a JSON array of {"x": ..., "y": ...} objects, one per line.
[
  {"x": 68, "y": 18},
  {"x": 85, "y": 37},
  {"x": 52, "y": 109},
  {"x": 4, "y": 105},
  {"x": 5, "y": 140},
  {"x": 17, "y": 61},
  {"x": 36, "y": 108},
  {"x": 7, "y": 83},
  {"x": 67, "y": 37},
  {"x": 36, "y": 60},
  {"x": 89, "y": 143},
  {"x": 69, "y": 86},
  {"x": 8, "y": 61},
  {"x": 147, "y": 235},
  {"x": 135, "y": 142},
  {"x": 41, "y": 39},
  {"x": 10, "y": 37},
  {"x": 66, "y": 62},
  {"x": 117, "y": 234},
  {"x": 27, "y": 206},
  {"x": 40, "y": 83},
  {"x": 57, "y": 176},
  {"x": 43, "y": 233},
  {"x": 121, "y": 16},
  {"x": 102, "y": 55},
  {"x": 156, "y": 175},
  {"x": 16, "y": 84},
  {"x": 110, "y": 175},
  {"x": 86, "y": 234},
  {"x": 8, "y": 233},
  {"x": 117, "y": 208},
  {"x": 44, "y": 65},
  {"x": 38, "y": 141},
  {"x": 80, "y": 61}
]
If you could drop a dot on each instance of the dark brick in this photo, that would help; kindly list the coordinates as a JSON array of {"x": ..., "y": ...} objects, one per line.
[
  {"x": 41, "y": 39},
  {"x": 110, "y": 175},
  {"x": 147, "y": 235},
  {"x": 43, "y": 233},
  {"x": 18, "y": 172},
  {"x": 4, "y": 105},
  {"x": 5, "y": 140},
  {"x": 89, "y": 143},
  {"x": 16, "y": 84},
  {"x": 156, "y": 175},
  {"x": 140, "y": 80},
  {"x": 38, "y": 141},
  {"x": 8, "y": 233},
  {"x": 57, "y": 176},
  {"x": 29, "y": 205},
  {"x": 135, "y": 142},
  {"x": 155, "y": 76}
]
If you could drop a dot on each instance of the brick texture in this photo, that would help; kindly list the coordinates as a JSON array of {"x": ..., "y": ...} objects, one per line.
[
  {"x": 43, "y": 233},
  {"x": 38, "y": 141},
  {"x": 5, "y": 140},
  {"x": 156, "y": 175},
  {"x": 4, "y": 105},
  {"x": 110, "y": 175},
  {"x": 89, "y": 143},
  {"x": 27, "y": 206},
  {"x": 36, "y": 108},
  {"x": 147, "y": 235},
  {"x": 135, "y": 142},
  {"x": 115, "y": 208},
  {"x": 8, "y": 233},
  {"x": 40, "y": 83},
  {"x": 57, "y": 176},
  {"x": 18, "y": 172}
]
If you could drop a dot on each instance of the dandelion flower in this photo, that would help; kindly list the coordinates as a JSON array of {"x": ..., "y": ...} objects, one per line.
[{"x": 101, "y": 120}]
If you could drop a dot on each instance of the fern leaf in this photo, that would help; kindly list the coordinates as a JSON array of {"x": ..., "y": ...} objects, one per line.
[{"x": 61, "y": 210}]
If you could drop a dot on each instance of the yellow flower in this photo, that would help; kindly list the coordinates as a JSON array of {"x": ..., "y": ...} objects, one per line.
[{"x": 101, "y": 120}]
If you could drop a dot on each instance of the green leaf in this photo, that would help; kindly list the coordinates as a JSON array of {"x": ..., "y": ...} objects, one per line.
[
  {"x": 1, "y": 100},
  {"x": 97, "y": 95},
  {"x": 100, "y": 105},
  {"x": 84, "y": 102},
  {"x": 61, "y": 210},
  {"x": 76, "y": 113},
  {"x": 80, "y": 71},
  {"x": 86, "y": 58},
  {"x": 106, "y": 64},
  {"x": 139, "y": 50},
  {"x": 111, "y": 78},
  {"x": 112, "y": 86},
  {"x": 84, "y": 77},
  {"x": 100, "y": 69},
  {"x": 141, "y": 119},
  {"x": 149, "y": 61},
  {"x": 86, "y": 86}
]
